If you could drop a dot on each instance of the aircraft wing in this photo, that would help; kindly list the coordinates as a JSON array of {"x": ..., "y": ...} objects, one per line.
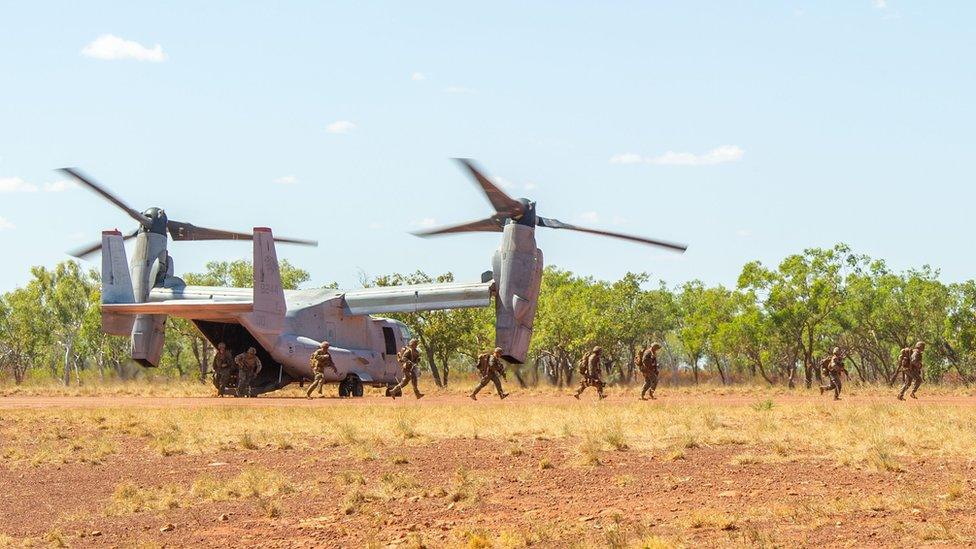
[
  {"x": 421, "y": 297},
  {"x": 194, "y": 309}
]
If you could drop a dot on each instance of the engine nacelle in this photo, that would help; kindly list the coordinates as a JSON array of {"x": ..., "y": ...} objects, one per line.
[{"x": 517, "y": 267}]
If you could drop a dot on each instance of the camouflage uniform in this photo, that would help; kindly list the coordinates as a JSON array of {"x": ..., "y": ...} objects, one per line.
[
  {"x": 833, "y": 367},
  {"x": 591, "y": 374},
  {"x": 320, "y": 361},
  {"x": 409, "y": 359},
  {"x": 223, "y": 363},
  {"x": 491, "y": 368},
  {"x": 648, "y": 368},
  {"x": 913, "y": 371},
  {"x": 248, "y": 367}
]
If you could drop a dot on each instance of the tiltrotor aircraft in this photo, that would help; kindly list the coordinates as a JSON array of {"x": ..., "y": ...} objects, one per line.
[{"x": 286, "y": 326}]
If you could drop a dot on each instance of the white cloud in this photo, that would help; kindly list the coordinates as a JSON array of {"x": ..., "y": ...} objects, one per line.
[
  {"x": 718, "y": 155},
  {"x": 375, "y": 225},
  {"x": 110, "y": 47},
  {"x": 510, "y": 185},
  {"x": 340, "y": 127},
  {"x": 743, "y": 233},
  {"x": 626, "y": 158},
  {"x": 60, "y": 185},
  {"x": 418, "y": 76},
  {"x": 458, "y": 90},
  {"x": 286, "y": 180},
  {"x": 589, "y": 217},
  {"x": 6, "y": 225},
  {"x": 880, "y": 4},
  {"x": 16, "y": 185}
]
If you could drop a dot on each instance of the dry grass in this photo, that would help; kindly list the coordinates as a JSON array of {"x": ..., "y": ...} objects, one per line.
[
  {"x": 711, "y": 519},
  {"x": 129, "y": 498},
  {"x": 877, "y": 436},
  {"x": 252, "y": 483}
]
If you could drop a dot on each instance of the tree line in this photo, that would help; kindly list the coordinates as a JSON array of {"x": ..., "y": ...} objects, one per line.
[{"x": 772, "y": 327}]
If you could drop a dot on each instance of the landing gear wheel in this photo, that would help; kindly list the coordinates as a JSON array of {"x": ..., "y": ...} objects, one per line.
[{"x": 351, "y": 386}]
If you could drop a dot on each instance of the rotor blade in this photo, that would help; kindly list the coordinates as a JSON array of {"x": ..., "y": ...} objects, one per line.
[
  {"x": 73, "y": 172},
  {"x": 505, "y": 205},
  {"x": 81, "y": 253},
  {"x": 492, "y": 224},
  {"x": 556, "y": 224},
  {"x": 187, "y": 231}
]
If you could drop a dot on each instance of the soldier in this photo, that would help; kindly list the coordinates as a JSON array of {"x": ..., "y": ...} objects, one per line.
[
  {"x": 491, "y": 367},
  {"x": 648, "y": 368},
  {"x": 409, "y": 359},
  {"x": 223, "y": 362},
  {"x": 833, "y": 367},
  {"x": 590, "y": 370},
  {"x": 248, "y": 367},
  {"x": 913, "y": 371},
  {"x": 320, "y": 361}
]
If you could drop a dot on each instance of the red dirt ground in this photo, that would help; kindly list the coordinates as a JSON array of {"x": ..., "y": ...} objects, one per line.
[{"x": 630, "y": 496}]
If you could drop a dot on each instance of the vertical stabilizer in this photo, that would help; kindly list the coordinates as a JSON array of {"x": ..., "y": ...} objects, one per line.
[
  {"x": 269, "y": 296},
  {"x": 116, "y": 283}
]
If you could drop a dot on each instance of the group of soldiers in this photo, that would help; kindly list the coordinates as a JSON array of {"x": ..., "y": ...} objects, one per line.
[
  {"x": 645, "y": 361},
  {"x": 238, "y": 372},
  {"x": 235, "y": 372},
  {"x": 909, "y": 366}
]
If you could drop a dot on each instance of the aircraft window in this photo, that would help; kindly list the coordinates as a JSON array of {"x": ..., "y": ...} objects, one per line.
[
  {"x": 390, "y": 338},
  {"x": 405, "y": 332}
]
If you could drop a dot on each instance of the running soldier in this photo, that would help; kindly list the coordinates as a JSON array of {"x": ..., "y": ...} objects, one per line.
[
  {"x": 321, "y": 360},
  {"x": 223, "y": 364},
  {"x": 832, "y": 367},
  {"x": 648, "y": 368},
  {"x": 248, "y": 367},
  {"x": 913, "y": 371},
  {"x": 409, "y": 359},
  {"x": 590, "y": 370},
  {"x": 491, "y": 368}
]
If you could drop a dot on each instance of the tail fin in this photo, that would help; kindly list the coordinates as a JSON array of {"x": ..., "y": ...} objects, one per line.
[
  {"x": 269, "y": 296},
  {"x": 116, "y": 283}
]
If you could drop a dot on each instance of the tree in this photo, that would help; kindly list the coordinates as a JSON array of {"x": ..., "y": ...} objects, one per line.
[{"x": 800, "y": 297}]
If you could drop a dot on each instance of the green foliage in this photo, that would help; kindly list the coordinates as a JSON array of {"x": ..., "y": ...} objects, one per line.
[{"x": 775, "y": 325}]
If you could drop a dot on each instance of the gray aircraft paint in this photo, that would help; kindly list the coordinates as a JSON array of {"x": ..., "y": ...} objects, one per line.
[{"x": 517, "y": 266}]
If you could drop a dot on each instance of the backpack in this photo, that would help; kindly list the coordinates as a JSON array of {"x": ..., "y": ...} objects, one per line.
[
  {"x": 584, "y": 365},
  {"x": 639, "y": 358},
  {"x": 905, "y": 358},
  {"x": 483, "y": 363}
]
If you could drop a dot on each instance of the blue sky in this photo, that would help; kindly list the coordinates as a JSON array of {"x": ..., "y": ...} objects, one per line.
[{"x": 749, "y": 130}]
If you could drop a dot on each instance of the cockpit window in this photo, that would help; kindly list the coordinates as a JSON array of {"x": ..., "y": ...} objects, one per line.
[{"x": 405, "y": 332}]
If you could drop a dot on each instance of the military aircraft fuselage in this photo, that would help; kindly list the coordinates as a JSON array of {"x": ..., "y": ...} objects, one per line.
[{"x": 363, "y": 346}]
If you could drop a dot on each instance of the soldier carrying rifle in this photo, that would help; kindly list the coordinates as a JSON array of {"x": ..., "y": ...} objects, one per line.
[
  {"x": 490, "y": 366},
  {"x": 832, "y": 367}
]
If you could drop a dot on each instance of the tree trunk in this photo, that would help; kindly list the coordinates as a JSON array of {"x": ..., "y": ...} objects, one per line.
[
  {"x": 445, "y": 370},
  {"x": 66, "y": 379},
  {"x": 433, "y": 365},
  {"x": 762, "y": 371},
  {"x": 721, "y": 373}
]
